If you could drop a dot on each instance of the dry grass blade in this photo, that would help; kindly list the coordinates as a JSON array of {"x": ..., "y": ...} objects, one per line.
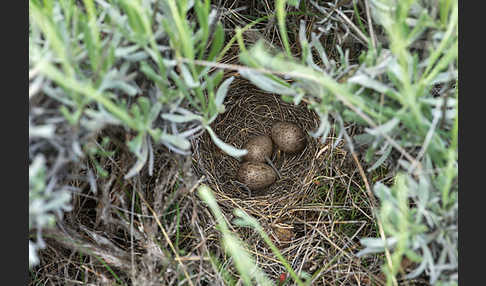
[
  {"x": 166, "y": 236},
  {"x": 370, "y": 24},
  {"x": 373, "y": 200}
]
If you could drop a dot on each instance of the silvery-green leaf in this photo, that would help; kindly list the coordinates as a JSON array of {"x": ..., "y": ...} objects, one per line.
[
  {"x": 92, "y": 181},
  {"x": 246, "y": 219},
  {"x": 445, "y": 77},
  {"x": 266, "y": 83},
  {"x": 172, "y": 148},
  {"x": 382, "y": 191},
  {"x": 75, "y": 146},
  {"x": 368, "y": 250},
  {"x": 363, "y": 139},
  {"x": 181, "y": 118},
  {"x": 451, "y": 102},
  {"x": 417, "y": 271},
  {"x": 343, "y": 56},
  {"x": 154, "y": 56},
  {"x": 382, "y": 159},
  {"x": 183, "y": 111},
  {"x": 302, "y": 35},
  {"x": 379, "y": 242},
  {"x": 37, "y": 166},
  {"x": 325, "y": 133},
  {"x": 228, "y": 149},
  {"x": 318, "y": 46},
  {"x": 125, "y": 51},
  {"x": 136, "y": 144},
  {"x": 33, "y": 258},
  {"x": 396, "y": 69},
  {"x": 138, "y": 56},
  {"x": 298, "y": 98},
  {"x": 190, "y": 132},
  {"x": 154, "y": 112},
  {"x": 345, "y": 63},
  {"x": 58, "y": 94},
  {"x": 169, "y": 63},
  {"x": 189, "y": 5},
  {"x": 98, "y": 119},
  {"x": 141, "y": 154},
  {"x": 309, "y": 87},
  {"x": 323, "y": 127},
  {"x": 41, "y": 131},
  {"x": 384, "y": 128},
  {"x": 405, "y": 164},
  {"x": 204, "y": 72},
  {"x": 178, "y": 141},
  {"x": 212, "y": 17},
  {"x": 150, "y": 156},
  {"x": 188, "y": 79},
  {"x": 383, "y": 60},
  {"x": 366, "y": 81},
  {"x": 375, "y": 245},
  {"x": 35, "y": 86},
  {"x": 59, "y": 201},
  {"x": 120, "y": 85},
  {"x": 212, "y": 118},
  {"x": 341, "y": 133},
  {"x": 222, "y": 91},
  {"x": 310, "y": 61}
]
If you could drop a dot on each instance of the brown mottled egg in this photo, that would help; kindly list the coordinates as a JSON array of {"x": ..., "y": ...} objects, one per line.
[
  {"x": 258, "y": 148},
  {"x": 288, "y": 137},
  {"x": 256, "y": 175}
]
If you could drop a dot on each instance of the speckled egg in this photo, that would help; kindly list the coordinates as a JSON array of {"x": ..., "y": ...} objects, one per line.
[
  {"x": 288, "y": 137},
  {"x": 258, "y": 148},
  {"x": 256, "y": 175}
]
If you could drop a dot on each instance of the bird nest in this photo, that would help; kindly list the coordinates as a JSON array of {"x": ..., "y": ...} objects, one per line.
[
  {"x": 314, "y": 194},
  {"x": 251, "y": 112}
]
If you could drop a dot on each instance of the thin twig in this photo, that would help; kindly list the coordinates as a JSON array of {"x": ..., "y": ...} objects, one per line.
[
  {"x": 365, "y": 179},
  {"x": 373, "y": 201},
  {"x": 370, "y": 25},
  {"x": 132, "y": 256},
  {"x": 358, "y": 31},
  {"x": 387, "y": 252},
  {"x": 269, "y": 162}
]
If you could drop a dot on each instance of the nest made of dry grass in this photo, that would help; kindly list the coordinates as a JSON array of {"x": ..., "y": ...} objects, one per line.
[
  {"x": 302, "y": 209},
  {"x": 251, "y": 112}
]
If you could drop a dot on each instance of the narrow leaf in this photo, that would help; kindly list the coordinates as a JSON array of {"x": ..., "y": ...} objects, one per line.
[
  {"x": 228, "y": 149},
  {"x": 383, "y": 129},
  {"x": 266, "y": 83},
  {"x": 366, "y": 81},
  {"x": 222, "y": 91}
]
